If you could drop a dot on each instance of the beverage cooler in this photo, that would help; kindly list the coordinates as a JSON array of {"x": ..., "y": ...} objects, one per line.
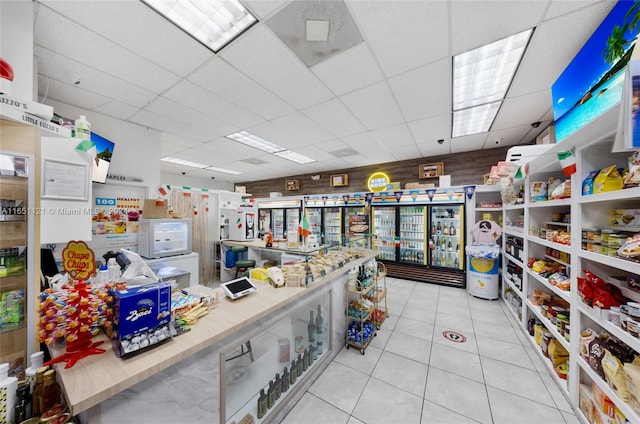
[
  {"x": 278, "y": 216},
  {"x": 325, "y": 223},
  {"x": 424, "y": 235}
]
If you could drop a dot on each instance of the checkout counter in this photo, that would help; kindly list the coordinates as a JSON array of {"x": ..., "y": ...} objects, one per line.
[{"x": 199, "y": 376}]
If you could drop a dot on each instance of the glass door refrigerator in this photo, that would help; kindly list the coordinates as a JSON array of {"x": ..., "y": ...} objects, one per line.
[
  {"x": 279, "y": 216},
  {"x": 356, "y": 221},
  {"x": 331, "y": 225},
  {"x": 384, "y": 232},
  {"x": 314, "y": 218},
  {"x": 413, "y": 237},
  {"x": 446, "y": 241}
]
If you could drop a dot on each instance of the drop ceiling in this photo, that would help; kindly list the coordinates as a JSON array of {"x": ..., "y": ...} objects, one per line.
[{"x": 386, "y": 97}]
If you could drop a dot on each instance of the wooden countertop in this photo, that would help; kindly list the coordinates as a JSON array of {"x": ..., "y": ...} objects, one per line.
[{"x": 98, "y": 377}]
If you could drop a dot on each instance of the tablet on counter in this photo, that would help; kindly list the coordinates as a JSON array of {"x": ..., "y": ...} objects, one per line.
[{"x": 238, "y": 288}]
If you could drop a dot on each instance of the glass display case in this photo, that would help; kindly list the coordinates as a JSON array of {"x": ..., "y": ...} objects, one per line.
[
  {"x": 158, "y": 238},
  {"x": 259, "y": 372}
]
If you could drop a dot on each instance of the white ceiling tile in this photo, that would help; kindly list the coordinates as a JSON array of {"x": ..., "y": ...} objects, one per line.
[
  {"x": 432, "y": 148},
  {"x": 542, "y": 65},
  {"x": 63, "y": 36},
  {"x": 68, "y": 93},
  {"x": 349, "y": 70},
  {"x": 394, "y": 137},
  {"x": 222, "y": 79},
  {"x": 507, "y": 136},
  {"x": 179, "y": 140},
  {"x": 56, "y": 66},
  {"x": 475, "y": 23},
  {"x": 406, "y": 152},
  {"x": 431, "y": 129},
  {"x": 332, "y": 145},
  {"x": 332, "y": 165},
  {"x": 170, "y": 149},
  {"x": 264, "y": 8},
  {"x": 468, "y": 143},
  {"x": 302, "y": 127},
  {"x": 266, "y": 59},
  {"x": 561, "y": 7},
  {"x": 189, "y": 116},
  {"x": 522, "y": 110},
  {"x": 374, "y": 106},
  {"x": 358, "y": 160},
  {"x": 227, "y": 146},
  {"x": 335, "y": 118},
  {"x": 425, "y": 91},
  {"x": 117, "y": 109},
  {"x": 162, "y": 123},
  {"x": 140, "y": 29},
  {"x": 362, "y": 142},
  {"x": 403, "y": 34},
  {"x": 211, "y": 105}
]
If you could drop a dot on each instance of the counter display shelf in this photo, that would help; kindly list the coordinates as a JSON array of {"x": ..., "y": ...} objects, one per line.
[{"x": 104, "y": 388}]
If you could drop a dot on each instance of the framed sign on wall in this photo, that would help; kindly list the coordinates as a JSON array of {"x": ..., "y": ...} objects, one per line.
[
  {"x": 430, "y": 170},
  {"x": 339, "y": 180},
  {"x": 292, "y": 185}
]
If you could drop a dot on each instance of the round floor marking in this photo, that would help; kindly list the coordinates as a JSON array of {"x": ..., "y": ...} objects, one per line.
[{"x": 454, "y": 336}]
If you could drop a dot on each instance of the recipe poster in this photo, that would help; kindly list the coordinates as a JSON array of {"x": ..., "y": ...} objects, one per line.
[{"x": 114, "y": 220}]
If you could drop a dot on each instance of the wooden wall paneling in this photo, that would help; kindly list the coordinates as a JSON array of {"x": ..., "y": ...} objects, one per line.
[{"x": 464, "y": 168}]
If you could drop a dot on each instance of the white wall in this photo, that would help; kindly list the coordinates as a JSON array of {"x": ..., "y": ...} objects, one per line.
[
  {"x": 16, "y": 45},
  {"x": 64, "y": 220},
  {"x": 137, "y": 149},
  {"x": 185, "y": 180}
]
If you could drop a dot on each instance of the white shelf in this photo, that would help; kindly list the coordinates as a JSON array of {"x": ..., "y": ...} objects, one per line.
[
  {"x": 557, "y": 260},
  {"x": 512, "y": 232},
  {"x": 561, "y": 247},
  {"x": 552, "y": 328},
  {"x": 622, "y": 264},
  {"x": 628, "y": 193},
  {"x": 513, "y": 287},
  {"x": 514, "y": 260},
  {"x": 596, "y": 315},
  {"x": 624, "y": 407},
  {"x": 563, "y": 294},
  {"x": 550, "y": 203}
]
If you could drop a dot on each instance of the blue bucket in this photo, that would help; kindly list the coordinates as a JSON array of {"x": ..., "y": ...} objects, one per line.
[{"x": 230, "y": 259}]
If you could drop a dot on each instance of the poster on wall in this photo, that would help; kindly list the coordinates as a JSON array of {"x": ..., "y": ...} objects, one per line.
[{"x": 114, "y": 223}]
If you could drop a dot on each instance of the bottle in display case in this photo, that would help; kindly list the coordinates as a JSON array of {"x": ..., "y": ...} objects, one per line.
[{"x": 319, "y": 324}]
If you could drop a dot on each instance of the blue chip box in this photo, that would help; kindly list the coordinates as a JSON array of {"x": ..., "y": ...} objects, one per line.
[{"x": 142, "y": 317}]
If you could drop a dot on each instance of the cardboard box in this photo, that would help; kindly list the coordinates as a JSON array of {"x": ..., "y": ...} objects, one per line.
[
  {"x": 608, "y": 179},
  {"x": 154, "y": 208},
  {"x": 141, "y": 317},
  {"x": 627, "y": 218}
]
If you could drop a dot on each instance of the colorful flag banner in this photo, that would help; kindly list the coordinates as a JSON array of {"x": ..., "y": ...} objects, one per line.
[
  {"x": 398, "y": 195},
  {"x": 470, "y": 190},
  {"x": 450, "y": 194},
  {"x": 383, "y": 196},
  {"x": 568, "y": 162},
  {"x": 345, "y": 198},
  {"x": 304, "y": 229},
  {"x": 324, "y": 200},
  {"x": 368, "y": 197},
  {"x": 414, "y": 194},
  {"x": 306, "y": 200},
  {"x": 430, "y": 193}
]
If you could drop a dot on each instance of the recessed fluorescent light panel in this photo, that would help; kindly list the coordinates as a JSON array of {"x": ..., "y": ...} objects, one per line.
[
  {"x": 474, "y": 120},
  {"x": 183, "y": 162},
  {"x": 252, "y": 140},
  {"x": 483, "y": 76},
  {"x": 294, "y": 157},
  {"x": 213, "y": 23},
  {"x": 198, "y": 165}
]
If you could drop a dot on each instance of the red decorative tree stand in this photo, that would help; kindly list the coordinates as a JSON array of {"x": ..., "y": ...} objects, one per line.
[{"x": 76, "y": 312}]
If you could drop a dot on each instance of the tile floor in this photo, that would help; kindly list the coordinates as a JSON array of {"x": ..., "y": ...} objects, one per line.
[{"x": 411, "y": 374}]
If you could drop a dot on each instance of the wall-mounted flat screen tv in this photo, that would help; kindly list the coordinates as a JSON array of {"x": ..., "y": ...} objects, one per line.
[
  {"x": 102, "y": 159},
  {"x": 591, "y": 84}
]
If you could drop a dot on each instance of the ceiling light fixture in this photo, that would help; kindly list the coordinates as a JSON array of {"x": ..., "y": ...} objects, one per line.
[
  {"x": 198, "y": 165},
  {"x": 294, "y": 157},
  {"x": 253, "y": 140},
  {"x": 482, "y": 76},
  {"x": 474, "y": 120},
  {"x": 213, "y": 23}
]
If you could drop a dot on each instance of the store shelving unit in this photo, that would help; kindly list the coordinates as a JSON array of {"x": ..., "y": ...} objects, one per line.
[
  {"x": 359, "y": 310},
  {"x": 378, "y": 295},
  {"x": 593, "y": 148},
  {"x": 18, "y": 236}
]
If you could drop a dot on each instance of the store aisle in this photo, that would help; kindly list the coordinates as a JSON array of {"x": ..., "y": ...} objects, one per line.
[{"x": 412, "y": 374}]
